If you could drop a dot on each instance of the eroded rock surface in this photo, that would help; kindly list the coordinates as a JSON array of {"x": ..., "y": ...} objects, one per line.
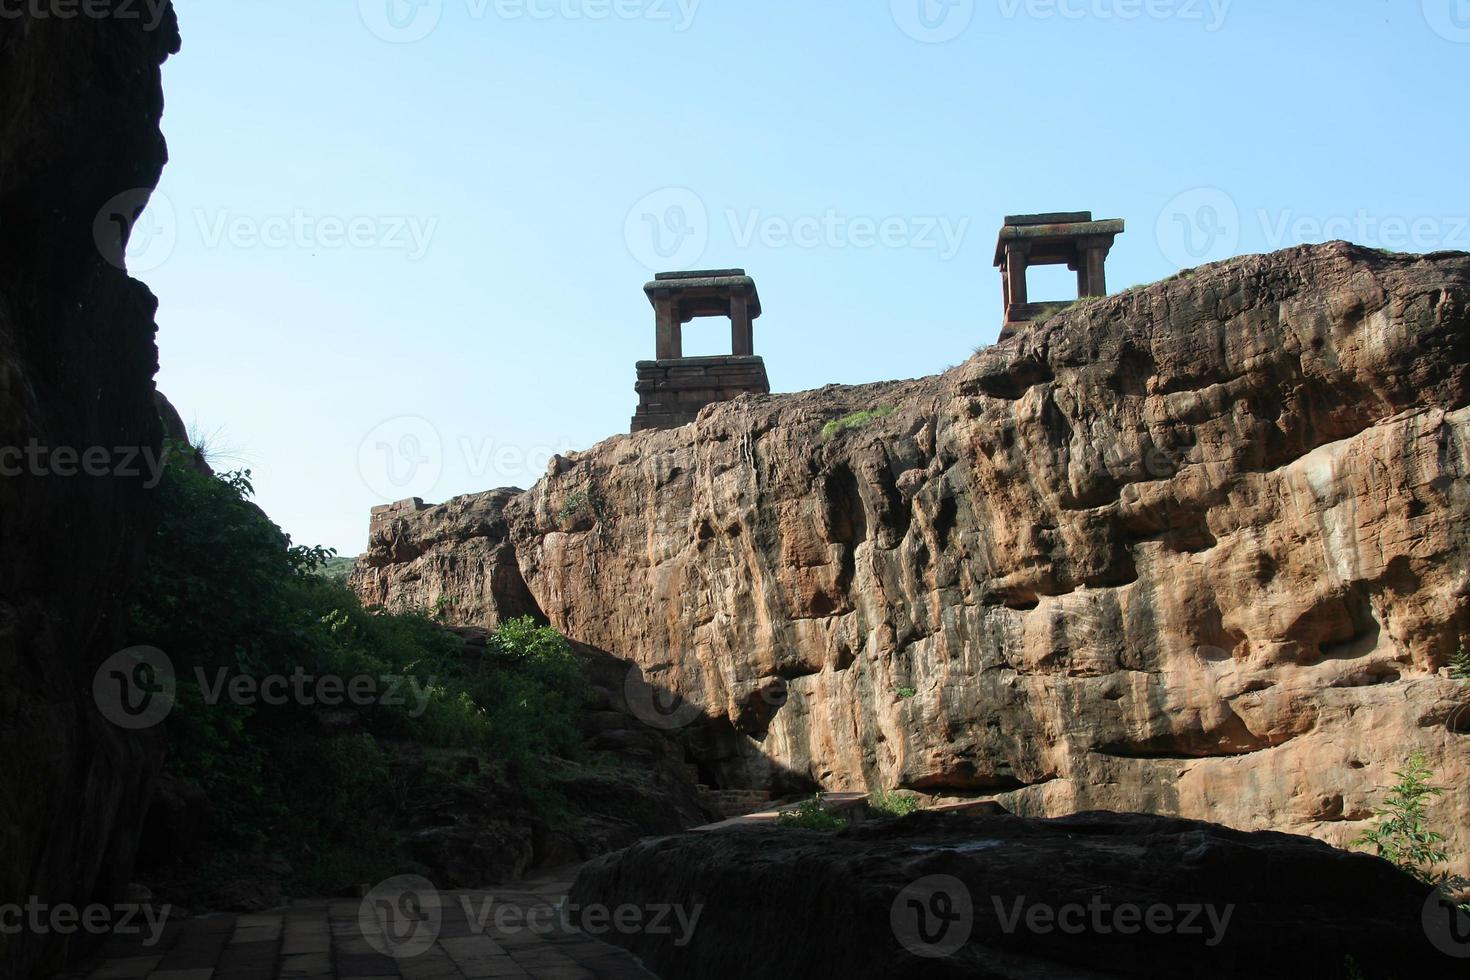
[
  {"x": 1085, "y": 897},
  {"x": 1195, "y": 549},
  {"x": 80, "y": 147},
  {"x": 454, "y": 560}
]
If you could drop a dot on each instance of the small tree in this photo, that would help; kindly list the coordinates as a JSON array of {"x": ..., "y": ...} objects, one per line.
[
  {"x": 1460, "y": 664},
  {"x": 1402, "y": 834}
]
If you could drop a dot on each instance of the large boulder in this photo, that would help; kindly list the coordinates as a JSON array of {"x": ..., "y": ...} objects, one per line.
[
  {"x": 454, "y": 559},
  {"x": 1086, "y": 897},
  {"x": 80, "y": 150}
]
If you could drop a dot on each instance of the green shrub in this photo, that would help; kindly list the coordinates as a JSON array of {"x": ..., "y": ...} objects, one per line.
[
  {"x": 1402, "y": 834},
  {"x": 1460, "y": 664},
  {"x": 856, "y": 420},
  {"x": 225, "y": 595},
  {"x": 907, "y": 692},
  {"x": 891, "y": 804},
  {"x": 811, "y": 815}
]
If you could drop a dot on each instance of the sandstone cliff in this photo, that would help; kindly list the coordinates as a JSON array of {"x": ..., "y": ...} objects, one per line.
[
  {"x": 80, "y": 102},
  {"x": 1195, "y": 549}
]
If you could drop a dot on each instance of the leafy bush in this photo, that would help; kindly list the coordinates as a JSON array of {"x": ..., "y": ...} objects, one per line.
[
  {"x": 226, "y": 596},
  {"x": 811, "y": 815},
  {"x": 892, "y": 804},
  {"x": 1402, "y": 834},
  {"x": 856, "y": 420},
  {"x": 907, "y": 692}
]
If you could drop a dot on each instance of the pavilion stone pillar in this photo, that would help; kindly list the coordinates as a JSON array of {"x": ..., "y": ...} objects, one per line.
[
  {"x": 742, "y": 333},
  {"x": 1096, "y": 265},
  {"x": 669, "y": 343},
  {"x": 673, "y": 388},
  {"x": 1015, "y": 272},
  {"x": 1072, "y": 238}
]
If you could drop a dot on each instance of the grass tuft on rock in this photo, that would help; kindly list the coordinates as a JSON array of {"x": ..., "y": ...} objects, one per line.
[{"x": 856, "y": 420}]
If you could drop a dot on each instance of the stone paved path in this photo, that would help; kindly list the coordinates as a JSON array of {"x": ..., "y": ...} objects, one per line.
[{"x": 523, "y": 936}]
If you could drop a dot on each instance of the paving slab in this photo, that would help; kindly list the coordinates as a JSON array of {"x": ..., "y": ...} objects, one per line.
[{"x": 323, "y": 939}]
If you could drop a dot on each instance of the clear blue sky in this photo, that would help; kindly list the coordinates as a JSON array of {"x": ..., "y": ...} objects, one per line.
[{"x": 376, "y": 251}]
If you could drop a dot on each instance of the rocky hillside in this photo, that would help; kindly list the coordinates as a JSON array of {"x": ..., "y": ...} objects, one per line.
[
  {"x": 80, "y": 102},
  {"x": 1196, "y": 549}
]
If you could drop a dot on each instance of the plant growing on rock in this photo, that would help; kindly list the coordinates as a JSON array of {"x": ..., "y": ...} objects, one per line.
[
  {"x": 578, "y": 512},
  {"x": 1402, "y": 834},
  {"x": 856, "y": 420},
  {"x": 885, "y": 803},
  {"x": 1460, "y": 664},
  {"x": 810, "y": 814}
]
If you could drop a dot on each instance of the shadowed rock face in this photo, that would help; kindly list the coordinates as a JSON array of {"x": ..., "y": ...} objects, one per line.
[
  {"x": 1085, "y": 897},
  {"x": 80, "y": 101},
  {"x": 1195, "y": 549}
]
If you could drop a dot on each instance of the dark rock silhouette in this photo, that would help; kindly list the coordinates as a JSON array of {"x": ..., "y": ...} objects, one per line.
[
  {"x": 1096, "y": 895},
  {"x": 80, "y": 149}
]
